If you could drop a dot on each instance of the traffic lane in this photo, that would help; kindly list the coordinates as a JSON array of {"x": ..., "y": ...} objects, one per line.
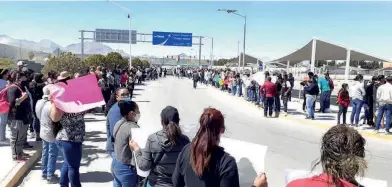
[{"x": 290, "y": 145}]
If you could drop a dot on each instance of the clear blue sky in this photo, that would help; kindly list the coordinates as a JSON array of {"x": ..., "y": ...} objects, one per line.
[{"x": 274, "y": 28}]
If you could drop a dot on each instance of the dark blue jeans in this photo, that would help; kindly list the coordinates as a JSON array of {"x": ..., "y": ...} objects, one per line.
[
  {"x": 357, "y": 106},
  {"x": 72, "y": 152},
  {"x": 277, "y": 103},
  {"x": 325, "y": 100},
  {"x": 268, "y": 104},
  {"x": 124, "y": 175},
  {"x": 387, "y": 110},
  {"x": 342, "y": 111}
]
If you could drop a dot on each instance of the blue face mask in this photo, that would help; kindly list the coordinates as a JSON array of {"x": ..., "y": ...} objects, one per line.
[{"x": 126, "y": 99}]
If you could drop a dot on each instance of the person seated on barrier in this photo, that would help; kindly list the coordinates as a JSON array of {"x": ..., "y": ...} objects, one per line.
[
  {"x": 342, "y": 158},
  {"x": 162, "y": 149},
  {"x": 204, "y": 163}
]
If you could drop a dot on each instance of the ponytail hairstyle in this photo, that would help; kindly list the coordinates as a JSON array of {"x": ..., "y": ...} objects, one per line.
[
  {"x": 170, "y": 120},
  {"x": 206, "y": 140}
]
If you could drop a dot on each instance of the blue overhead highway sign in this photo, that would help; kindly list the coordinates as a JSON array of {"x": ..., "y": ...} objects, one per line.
[{"x": 172, "y": 39}]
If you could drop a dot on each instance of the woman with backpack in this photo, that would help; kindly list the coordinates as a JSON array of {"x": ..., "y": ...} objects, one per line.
[{"x": 162, "y": 149}]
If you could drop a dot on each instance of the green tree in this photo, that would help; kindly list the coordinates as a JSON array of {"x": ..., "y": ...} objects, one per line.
[
  {"x": 65, "y": 62},
  {"x": 145, "y": 63},
  {"x": 136, "y": 62},
  {"x": 96, "y": 60},
  {"x": 7, "y": 63},
  {"x": 114, "y": 60}
]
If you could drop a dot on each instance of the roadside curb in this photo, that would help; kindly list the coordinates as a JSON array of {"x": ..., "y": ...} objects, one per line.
[{"x": 19, "y": 173}]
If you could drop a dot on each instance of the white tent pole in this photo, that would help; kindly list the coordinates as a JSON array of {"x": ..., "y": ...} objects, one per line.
[
  {"x": 347, "y": 69},
  {"x": 288, "y": 66},
  {"x": 313, "y": 61}
]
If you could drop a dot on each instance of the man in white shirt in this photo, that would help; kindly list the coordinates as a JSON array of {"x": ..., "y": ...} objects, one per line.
[{"x": 384, "y": 99}]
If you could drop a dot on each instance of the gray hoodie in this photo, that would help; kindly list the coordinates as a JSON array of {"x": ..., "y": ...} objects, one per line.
[{"x": 161, "y": 175}]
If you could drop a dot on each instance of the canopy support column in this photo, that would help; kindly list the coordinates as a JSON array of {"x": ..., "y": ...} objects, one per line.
[
  {"x": 288, "y": 66},
  {"x": 313, "y": 60},
  {"x": 347, "y": 69}
]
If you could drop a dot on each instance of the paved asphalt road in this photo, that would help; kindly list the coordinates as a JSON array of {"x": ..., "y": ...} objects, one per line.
[{"x": 290, "y": 144}]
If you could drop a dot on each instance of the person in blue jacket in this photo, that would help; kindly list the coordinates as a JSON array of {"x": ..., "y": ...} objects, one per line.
[{"x": 113, "y": 115}]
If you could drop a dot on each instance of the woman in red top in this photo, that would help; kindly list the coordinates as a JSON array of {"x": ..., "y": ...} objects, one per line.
[
  {"x": 124, "y": 78},
  {"x": 342, "y": 158},
  {"x": 343, "y": 100}
]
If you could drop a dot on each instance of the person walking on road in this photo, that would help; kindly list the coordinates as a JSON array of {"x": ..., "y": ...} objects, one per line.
[
  {"x": 124, "y": 164},
  {"x": 270, "y": 91},
  {"x": 49, "y": 147},
  {"x": 162, "y": 149},
  {"x": 343, "y": 100},
  {"x": 384, "y": 99},
  {"x": 357, "y": 93},
  {"x": 195, "y": 78},
  {"x": 342, "y": 159}
]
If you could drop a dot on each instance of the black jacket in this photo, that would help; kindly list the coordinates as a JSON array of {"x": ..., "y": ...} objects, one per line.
[
  {"x": 17, "y": 112},
  {"x": 223, "y": 171},
  {"x": 158, "y": 143}
]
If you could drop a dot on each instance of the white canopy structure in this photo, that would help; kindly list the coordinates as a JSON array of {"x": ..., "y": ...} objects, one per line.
[{"x": 321, "y": 50}]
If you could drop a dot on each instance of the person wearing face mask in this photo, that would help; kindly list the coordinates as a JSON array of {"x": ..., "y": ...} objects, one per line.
[
  {"x": 124, "y": 164},
  {"x": 113, "y": 115}
]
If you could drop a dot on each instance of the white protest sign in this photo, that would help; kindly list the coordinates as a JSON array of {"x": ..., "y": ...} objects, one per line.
[
  {"x": 292, "y": 175},
  {"x": 239, "y": 149},
  {"x": 140, "y": 137}
]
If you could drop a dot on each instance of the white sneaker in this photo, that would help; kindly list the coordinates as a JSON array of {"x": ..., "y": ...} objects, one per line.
[{"x": 32, "y": 135}]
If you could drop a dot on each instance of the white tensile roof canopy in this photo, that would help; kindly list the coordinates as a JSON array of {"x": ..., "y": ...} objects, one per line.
[
  {"x": 326, "y": 51},
  {"x": 321, "y": 50}
]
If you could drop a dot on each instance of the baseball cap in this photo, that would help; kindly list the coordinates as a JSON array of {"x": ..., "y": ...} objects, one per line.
[
  {"x": 20, "y": 63},
  {"x": 169, "y": 114}
]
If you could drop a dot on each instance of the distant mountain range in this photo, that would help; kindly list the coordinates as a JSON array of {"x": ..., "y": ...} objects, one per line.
[{"x": 48, "y": 46}]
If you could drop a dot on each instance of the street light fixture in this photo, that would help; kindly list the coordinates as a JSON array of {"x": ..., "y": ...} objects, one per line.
[
  {"x": 130, "y": 32},
  {"x": 230, "y": 11}
]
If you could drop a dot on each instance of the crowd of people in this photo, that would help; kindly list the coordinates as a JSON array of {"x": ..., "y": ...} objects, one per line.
[
  {"x": 369, "y": 103},
  {"x": 173, "y": 159}
]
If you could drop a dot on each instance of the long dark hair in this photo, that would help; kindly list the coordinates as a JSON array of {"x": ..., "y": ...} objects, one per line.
[
  {"x": 206, "y": 139},
  {"x": 171, "y": 119},
  {"x": 342, "y": 154}
]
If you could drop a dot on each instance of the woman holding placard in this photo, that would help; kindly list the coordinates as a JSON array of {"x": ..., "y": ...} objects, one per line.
[{"x": 161, "y": 151}]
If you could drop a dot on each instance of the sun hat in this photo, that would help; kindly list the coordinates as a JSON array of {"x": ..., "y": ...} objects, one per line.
[{"x": 63, "y": 75}]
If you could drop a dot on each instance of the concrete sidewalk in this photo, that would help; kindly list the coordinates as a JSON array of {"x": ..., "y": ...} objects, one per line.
[{"x": 11, "y": 171}]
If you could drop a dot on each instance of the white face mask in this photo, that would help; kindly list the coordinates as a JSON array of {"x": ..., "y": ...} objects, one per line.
[{"x": 137, "y": 117}]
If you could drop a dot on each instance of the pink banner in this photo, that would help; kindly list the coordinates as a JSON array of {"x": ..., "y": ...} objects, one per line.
[{"x": 78, "y": 95}]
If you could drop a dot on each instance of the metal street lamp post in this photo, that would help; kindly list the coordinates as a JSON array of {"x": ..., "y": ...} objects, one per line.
[
  {"x": 243, "y": 16},
  {"x": 130, "y": 31},
  {"x": 212, "y": 51}
]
